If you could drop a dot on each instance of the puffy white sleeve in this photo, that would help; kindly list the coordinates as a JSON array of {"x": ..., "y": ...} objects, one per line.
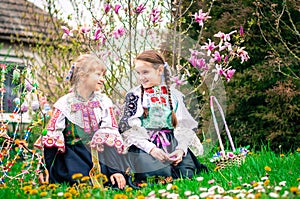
[
  {"x": 55, "y": 127},
  {"x": 184, "y": 133},
  {"x": 108, "y": 132}
]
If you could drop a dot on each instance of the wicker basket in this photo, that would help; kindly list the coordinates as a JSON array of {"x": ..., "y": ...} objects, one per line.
[{"x": 223, "y": 159}]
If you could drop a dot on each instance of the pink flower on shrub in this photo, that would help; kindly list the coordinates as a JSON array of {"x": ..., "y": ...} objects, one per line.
[
  {"x": 200, "y": 17},
  {"x": 140, "y": 8},
  {"x": 178, "y": 81},
  {"x": 117, "y": 8},
  {"x": 97, "y": 34},
  {"x": 241, "y": 31},
  {"x": 210, "y": 46},
  {"x": 107, "y": 8},
  {"x": 243, "y": 54},
  {"x": 67, "y": 32},
  {"x": 229, "y": 74},
  {"x": 119, "y": 33},
  {"x": 223, "y": 36},
  {"x": 217, "y": 57},
  {"x": 155, "y": 15},
  {"x": 85, "y": 30}
]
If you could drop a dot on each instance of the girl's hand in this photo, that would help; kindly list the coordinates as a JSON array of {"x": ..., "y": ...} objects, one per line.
[
  {"x": 159, "y": 154},
  {"x": 176, "y": 156},
  {"x": 119, "y": 178}
]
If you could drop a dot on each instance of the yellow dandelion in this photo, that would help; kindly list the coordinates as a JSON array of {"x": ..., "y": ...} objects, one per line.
[
  {"x": 293, "y": 189},
  {"x": 266, "y": 182},
  {"x": 43, "y": 194},
  {"x": 298, "y": 149},
  {"x": 267, "y": 168},
  {"x": 281, "y": 155},
  {"x": 257, "y": 195},
  {"x": 73, "y": 191},
  {"x": 27, "y": 188},
  {"x": 87, "y": 195},
  {"x": 33, "y": 192},
  {"x": 298, "y": 179},
  {"x": 85, "y": 178},
  {"x": 237, "y": 188},
  {"x": 255, "y": 184},
  {"x": 42, "y": 187},
  {"x": 128, "y": 189},
  {"x": 103, "y": 177},
  {"x": 120, "y": 196},
  {"x": 144, "y": 185},
  {"x": 67, "y": 195},
  {"x": 174, "y": 187},
  {"x": 250, "y": 153},
  {"x": 52, "y": 186},
  {"x": 81, "y": 185},
  {"x": 140, "y": 197},
  {"x": 77, "y": 176}
]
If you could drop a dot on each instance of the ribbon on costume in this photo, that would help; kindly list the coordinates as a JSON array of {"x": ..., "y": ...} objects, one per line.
[
  {"x": 88, "y": 115},
  {"x": 160, "y": 137}
]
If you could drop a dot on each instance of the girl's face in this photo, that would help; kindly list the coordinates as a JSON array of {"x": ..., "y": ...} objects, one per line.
[
  {"x": 95, "y": 79},
  {"x": 147, "y": 74}
]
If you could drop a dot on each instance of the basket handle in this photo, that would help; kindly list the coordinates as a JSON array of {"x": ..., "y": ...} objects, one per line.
[{"x": 212, "y": 99}]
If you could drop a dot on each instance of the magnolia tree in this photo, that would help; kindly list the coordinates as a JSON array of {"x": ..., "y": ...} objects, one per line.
[{"x": 118, "y": 31}]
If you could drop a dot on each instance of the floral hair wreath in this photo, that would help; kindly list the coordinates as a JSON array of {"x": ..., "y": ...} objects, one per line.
[{"x": 70, "y": 73}]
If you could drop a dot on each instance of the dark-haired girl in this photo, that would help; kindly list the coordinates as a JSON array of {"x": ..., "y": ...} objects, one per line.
[{"x": 156, "y": 126}]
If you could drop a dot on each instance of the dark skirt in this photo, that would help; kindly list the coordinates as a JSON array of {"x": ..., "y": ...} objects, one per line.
[
  {"x": 77, "y": 159},
  {"x": 143, "y": 165}
]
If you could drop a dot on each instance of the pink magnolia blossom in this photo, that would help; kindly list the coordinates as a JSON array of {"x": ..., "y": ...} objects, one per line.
[
  {"x": 97, "y": 34},
  {"x": 223, "y": 36},
  {"x": 209, "y": 47},
  {"x": 67, "y": 32},
  {"x": 229, "y": 74},
  {"x": 119, "y": 33},
  {"x": 117, "y": 8},
  {"x": 216, "y": 56},
  {"x": 140, "y": 8},
  {"x": 200, "y": 17},
  {"x": 107, "y": 8},
  {"x": 198, "y": 63},
  {"x": 85, "y": 30},
  {"x": 154, "y": 15},
  {"x": 241, "y": 31},
  {"x": 243, "y": 54},
  {"x": 227, "y": 45},
  {"x": 178, "y": 81}
]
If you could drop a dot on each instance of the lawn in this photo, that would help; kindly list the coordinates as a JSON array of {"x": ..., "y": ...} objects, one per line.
[{"x": 264, "y": 174}]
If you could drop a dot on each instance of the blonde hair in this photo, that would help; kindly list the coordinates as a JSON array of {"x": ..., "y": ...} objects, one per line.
[
  {"x": 156, "y": 59},
  {"x": 85, "y": 64}
]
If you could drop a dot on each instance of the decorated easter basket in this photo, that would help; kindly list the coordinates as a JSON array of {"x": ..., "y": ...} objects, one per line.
[{"x": 224, "y": 158}]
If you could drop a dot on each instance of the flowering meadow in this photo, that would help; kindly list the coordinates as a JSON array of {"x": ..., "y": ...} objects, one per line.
[{"x": 264, "y": 174}]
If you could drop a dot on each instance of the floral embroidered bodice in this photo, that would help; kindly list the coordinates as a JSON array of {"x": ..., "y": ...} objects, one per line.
[{"x": 157, "y": 102}]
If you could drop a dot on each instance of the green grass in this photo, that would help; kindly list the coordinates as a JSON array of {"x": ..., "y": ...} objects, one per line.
[{"x": 244, "y": 179}]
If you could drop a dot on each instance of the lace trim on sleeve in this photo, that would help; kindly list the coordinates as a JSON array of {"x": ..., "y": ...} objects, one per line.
[
  {"x": 139, "y": 137},
  {"x": 104, "y": 136},
  {"x": 187, "y": 138}
]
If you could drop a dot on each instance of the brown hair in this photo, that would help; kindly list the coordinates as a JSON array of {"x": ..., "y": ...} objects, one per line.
[
  {"x": 84, "y": 65},
  {"x": 157, "y": 60}
]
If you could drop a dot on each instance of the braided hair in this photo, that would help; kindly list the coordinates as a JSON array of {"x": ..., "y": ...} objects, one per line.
[{"x": 157, "y": 60}]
